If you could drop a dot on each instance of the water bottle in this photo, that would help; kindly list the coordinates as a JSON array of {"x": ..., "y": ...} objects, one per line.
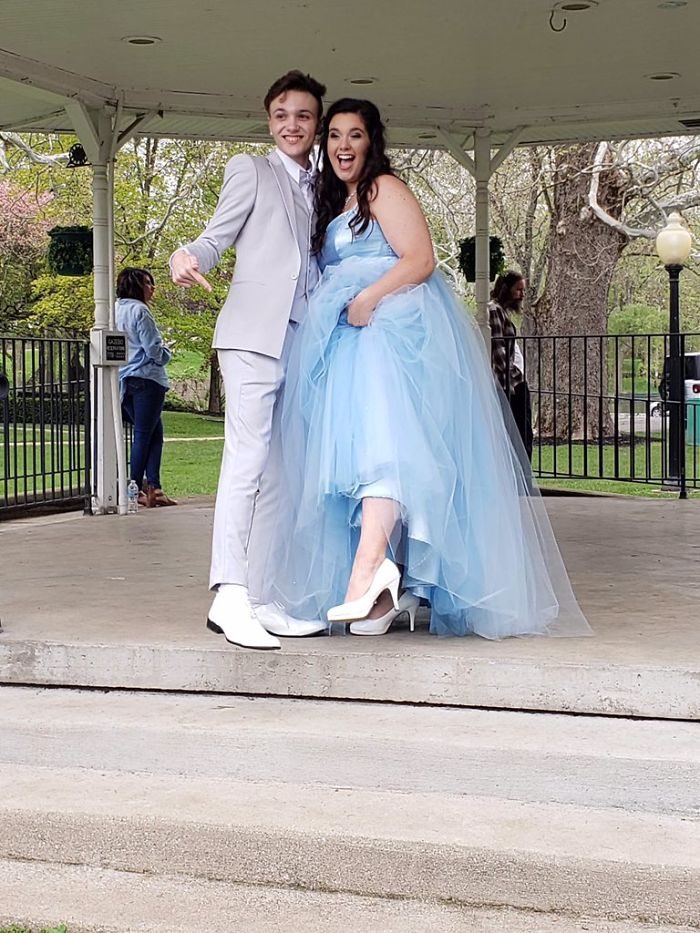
[{"x": 132, "y": 497}]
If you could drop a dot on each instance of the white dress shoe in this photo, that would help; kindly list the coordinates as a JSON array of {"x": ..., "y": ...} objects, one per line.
[
  {"x": 387, "y": 577},
  {"x": 232, "y": 616},
  {"x": 408, "y": 603},
  {"x": 276, "y": 621}
]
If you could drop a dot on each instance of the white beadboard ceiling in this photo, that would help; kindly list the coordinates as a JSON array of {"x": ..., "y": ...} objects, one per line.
[{"x": 450, "y": 64}]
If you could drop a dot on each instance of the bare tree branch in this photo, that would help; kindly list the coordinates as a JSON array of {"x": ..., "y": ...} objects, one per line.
[
  {"x": 38, "y": 158},
  {"x": 600, "y": 166}
]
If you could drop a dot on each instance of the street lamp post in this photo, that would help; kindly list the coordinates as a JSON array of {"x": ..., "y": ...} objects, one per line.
[{"x": 673, "y": 245}]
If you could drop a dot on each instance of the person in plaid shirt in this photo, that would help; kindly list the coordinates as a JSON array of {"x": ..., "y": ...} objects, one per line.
[{"x": 506, "y": 357}]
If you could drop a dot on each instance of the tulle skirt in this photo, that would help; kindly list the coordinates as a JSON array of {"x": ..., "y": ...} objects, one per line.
[{"x": 407, "y": 409}]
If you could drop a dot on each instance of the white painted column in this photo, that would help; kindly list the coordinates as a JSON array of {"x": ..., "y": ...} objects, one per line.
[
  {"x": 97, "y": 131},
  {"x": 481, "y": 168},
  {"x": 101, "y": 137},
  {"x": 104, "y": 464}
]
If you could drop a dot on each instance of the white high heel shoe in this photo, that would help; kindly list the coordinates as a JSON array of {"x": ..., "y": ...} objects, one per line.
[
  {"x": 386, "y": 578},
  {"x": 408, "y": 603}
]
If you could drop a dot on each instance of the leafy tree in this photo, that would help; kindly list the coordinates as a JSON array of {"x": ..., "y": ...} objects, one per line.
[
  {"x": 23, "y": 241},
  {"x": 62, "y": 305}
]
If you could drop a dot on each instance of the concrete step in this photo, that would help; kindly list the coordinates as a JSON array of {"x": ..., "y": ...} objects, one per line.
[
  {"x": 66, "y": 581},
  {"x": 565, "y": 815},
  {"x": 99, "y": 900}
]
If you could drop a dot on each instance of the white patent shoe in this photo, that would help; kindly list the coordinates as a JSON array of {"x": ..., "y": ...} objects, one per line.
[
  {"x": 232, "y": 616},
  {"x": 408, "y": 604},
  {"x": 387, "y": 577},
  {"x": 277, "y": 622}
]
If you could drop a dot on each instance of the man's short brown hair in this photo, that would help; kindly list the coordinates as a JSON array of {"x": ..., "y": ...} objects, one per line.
[{"x": 296, "y": 81}]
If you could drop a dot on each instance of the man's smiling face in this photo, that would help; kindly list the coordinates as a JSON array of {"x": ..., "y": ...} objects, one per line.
[{"x": 293, "y": 121}]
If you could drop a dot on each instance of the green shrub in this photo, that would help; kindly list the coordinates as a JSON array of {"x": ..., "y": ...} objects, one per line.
[
  {"x": 467, "y": 257},
  {"x": 29, "y": 407},
  {"x": 175, "y": 402},
  {"x": 70, "y": 250}
]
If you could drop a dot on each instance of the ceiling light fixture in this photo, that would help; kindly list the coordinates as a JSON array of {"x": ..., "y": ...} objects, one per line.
[
  {"x": 141, "y": 40},
  {"x": 663, "y": 76},
  {"x": 557, "y": 15},
  {"x": 361, "y": 80},
  {"x": 575, "y": 6},
  {"x": 672, "y": 4}
]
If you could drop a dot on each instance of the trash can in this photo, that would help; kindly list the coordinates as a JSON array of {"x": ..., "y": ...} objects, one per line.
[
  {"x": 692, "y": 412},
  {"x": 691, "y": 381}
]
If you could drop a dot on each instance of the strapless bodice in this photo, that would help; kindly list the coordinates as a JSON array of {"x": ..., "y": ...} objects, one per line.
[{"x": 342, "y": 243}]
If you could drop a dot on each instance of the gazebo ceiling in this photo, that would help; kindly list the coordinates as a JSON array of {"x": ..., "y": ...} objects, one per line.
[{"x": 455, "y": 64}]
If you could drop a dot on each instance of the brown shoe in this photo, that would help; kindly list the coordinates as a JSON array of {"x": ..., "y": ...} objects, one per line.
[
  {"x": 147, "y": 498},
  {"x": 160, "y": 498}
]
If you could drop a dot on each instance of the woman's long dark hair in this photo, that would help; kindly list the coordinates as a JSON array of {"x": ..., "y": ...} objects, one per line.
[
  {"x": 331, "y": 192},
  {"x": 503, "y": 286},
  {"x": 131, "y": 283}
]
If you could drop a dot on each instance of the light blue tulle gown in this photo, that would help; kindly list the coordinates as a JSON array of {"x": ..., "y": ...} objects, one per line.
[{"x": 407, "y": 408}]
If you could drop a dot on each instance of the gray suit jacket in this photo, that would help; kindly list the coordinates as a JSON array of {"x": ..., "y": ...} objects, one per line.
[{"x": 255, "y": 212}]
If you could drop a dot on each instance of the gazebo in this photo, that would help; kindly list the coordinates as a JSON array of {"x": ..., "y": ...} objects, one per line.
[
  {"x": 474, "y": 78},
  {"x": 431, "y": 793}
]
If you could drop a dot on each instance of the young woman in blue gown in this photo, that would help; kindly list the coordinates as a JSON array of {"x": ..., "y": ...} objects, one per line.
[{"x": 402, "y": 482}]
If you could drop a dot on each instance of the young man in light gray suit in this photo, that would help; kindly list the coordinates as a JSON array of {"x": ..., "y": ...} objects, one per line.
[{"x": 265, "y": 209}]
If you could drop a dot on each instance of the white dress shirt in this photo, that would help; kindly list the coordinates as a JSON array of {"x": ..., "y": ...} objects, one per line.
[{"x": 305, "y": 178}]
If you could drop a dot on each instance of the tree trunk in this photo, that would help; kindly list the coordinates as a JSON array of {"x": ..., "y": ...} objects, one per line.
[
  {"x": 572, "y": 311},
  {"x": 215, "y": 406}
]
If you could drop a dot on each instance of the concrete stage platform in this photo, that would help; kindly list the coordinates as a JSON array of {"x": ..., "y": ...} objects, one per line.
[{"x": 121, "y": 602}]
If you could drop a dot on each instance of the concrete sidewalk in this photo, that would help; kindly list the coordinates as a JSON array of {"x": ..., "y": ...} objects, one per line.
[
  {"x": 571, "y": 817},
  {"x": 121, "y": 602},
  {"x": 99, "y": 900}
]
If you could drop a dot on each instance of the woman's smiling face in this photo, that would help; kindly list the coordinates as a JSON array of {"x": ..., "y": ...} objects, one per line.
[{"x": 348, "y": 144}]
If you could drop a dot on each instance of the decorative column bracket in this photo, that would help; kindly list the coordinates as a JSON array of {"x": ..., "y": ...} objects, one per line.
[{"x": 481, "y": 167}]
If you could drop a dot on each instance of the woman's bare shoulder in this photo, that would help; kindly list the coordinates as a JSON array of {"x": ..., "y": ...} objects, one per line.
[{"x": 390, "y": 185}]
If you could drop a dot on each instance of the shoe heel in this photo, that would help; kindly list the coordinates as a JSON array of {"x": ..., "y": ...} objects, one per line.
[
  {"x": 393, "y": 588},
  {"x": 412, "y": 618},
  {"x": 213, "y": 627}
]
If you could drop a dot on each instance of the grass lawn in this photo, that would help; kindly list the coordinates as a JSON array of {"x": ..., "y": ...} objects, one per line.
[
  {"x": 638, "y": 463},
  {"x": 191, "y": 469},
  {"x": 60, "y": 929},
  {"x": 612, "y": 487},
  {"x": 192, "y": 458},
  {"x": 184, "y": 424},
  {"x": 61, "y": 473}
]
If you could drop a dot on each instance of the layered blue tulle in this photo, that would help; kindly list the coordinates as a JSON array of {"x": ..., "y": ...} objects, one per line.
[{"x": 407, "y": 409}]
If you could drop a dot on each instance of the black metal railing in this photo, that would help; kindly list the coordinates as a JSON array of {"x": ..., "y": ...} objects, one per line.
[
  {"x": 624, "y": 408},
  {"x": 44, "y": 423},
  {"x": 615, "y": 407}
]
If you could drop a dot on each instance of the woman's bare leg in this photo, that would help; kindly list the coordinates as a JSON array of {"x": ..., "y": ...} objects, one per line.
[{"x": 379, "y": 518}]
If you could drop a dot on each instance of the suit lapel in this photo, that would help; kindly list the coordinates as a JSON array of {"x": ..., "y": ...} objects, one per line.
[{"x": 284, "y": 183}]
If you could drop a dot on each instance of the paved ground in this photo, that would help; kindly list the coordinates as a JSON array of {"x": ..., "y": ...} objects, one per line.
[
  {"x": 121, "y": 602},
  {"x": 150, "y": 810},
  {"x": 104, "y": 901}
]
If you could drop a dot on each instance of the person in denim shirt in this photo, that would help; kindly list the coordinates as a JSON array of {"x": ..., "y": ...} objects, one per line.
[{"x": 143, "y": 381}]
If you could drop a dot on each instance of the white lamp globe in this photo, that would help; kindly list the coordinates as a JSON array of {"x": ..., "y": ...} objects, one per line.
[{"x": 674, "y": 242}]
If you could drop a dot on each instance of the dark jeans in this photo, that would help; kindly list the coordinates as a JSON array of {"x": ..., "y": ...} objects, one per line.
[
  {"x": 142, "y": 405},
  {"x": 521, "y": 407}
]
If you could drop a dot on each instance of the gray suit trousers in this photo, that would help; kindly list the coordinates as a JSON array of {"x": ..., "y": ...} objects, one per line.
[{"x": 253, "y": 386}]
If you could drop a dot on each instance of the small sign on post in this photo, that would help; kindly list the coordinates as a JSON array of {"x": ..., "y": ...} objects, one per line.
[{"x": 109, "y": 348}]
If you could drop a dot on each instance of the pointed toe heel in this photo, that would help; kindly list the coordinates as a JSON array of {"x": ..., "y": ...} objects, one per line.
[
  {"x": 387, "y": 577},
  {"x": 408, "y": 604}
]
